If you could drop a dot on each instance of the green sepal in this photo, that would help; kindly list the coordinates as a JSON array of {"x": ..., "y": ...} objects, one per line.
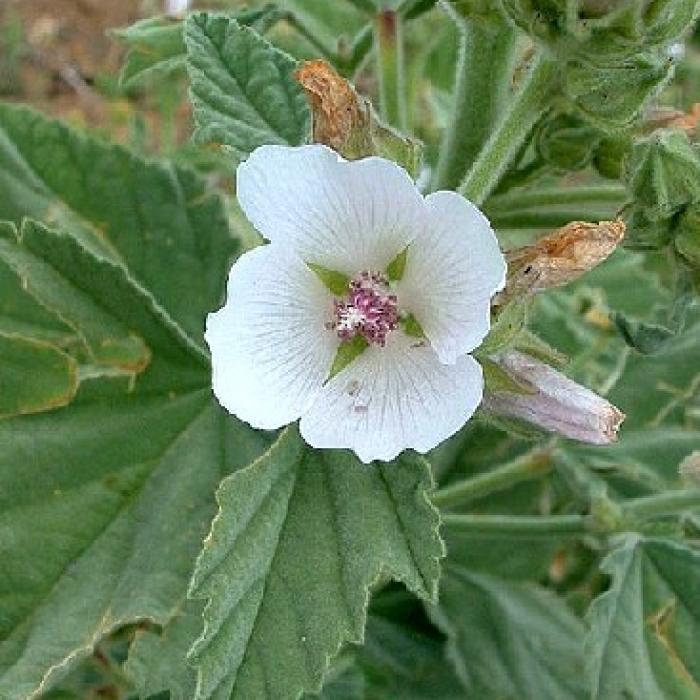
[
  {"x": 496, "y": 379},
  {"x": 507, "y": 325},
  {"x": 663, "y": 174},
  {"x": 392, "y": 145},
  {"x": 531, "y": 344},
  {"x": 335, "y": 282},
  {"x": 687, "y": 241},
  {"x": 566, "y": 142},
  {"x": 396, "y": 268},
  {"x": 412, "y": 327},
  {"x": 347, "y": 352}
]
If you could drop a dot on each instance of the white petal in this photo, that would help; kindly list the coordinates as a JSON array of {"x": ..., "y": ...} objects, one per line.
[
  {"x": 270, "y": 350},
  {"x": 451, "y": 274},
  {"x": 346, "y": 216},
  {"x": 394, "y": 398}
]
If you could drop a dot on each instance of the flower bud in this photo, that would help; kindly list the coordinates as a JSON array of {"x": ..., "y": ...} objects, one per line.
[
  {"x": 664, "y": 174},
  {"x": 345, "y": 121},
  {"x": 614, "y": 55},
  {"x": 567, "y": 143},
  {"x": 559, "y": 258},
  {"x": 556, "y": 403}
]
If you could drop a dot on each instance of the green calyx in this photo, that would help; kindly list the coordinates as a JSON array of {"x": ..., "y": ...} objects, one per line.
[
  {"x": 396, "y": 268},
  {"x": 612, "y": 56},
  {"x": 335, "y": 282},
  {"x": 412, "y": 327},
  {"x": 348, "y": 351}
]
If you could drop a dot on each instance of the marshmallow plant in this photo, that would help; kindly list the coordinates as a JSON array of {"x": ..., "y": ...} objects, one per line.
[
  {"x": 332, "y": 402},
  {"x": 360, "y": 314}
]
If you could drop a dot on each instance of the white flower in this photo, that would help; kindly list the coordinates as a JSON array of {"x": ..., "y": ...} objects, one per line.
[{"x": 275, "y": 341}]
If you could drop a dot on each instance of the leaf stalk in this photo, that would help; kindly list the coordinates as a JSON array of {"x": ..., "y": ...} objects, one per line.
[
  {"x": 484, "y": 70},
  {"x": 388, "y": 30},
  {"x": 501, "y": 149}
]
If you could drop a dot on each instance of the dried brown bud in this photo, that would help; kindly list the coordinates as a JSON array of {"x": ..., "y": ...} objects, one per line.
[
  {"x": 341, "y": 119},
  {"x": 345, "y": 121},
  {"x": 669, "y": 118},
  {"x": 561, "y": 257},
  {"x": 556, "y": 404}
]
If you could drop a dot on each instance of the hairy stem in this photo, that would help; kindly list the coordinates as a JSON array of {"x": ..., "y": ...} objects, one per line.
[
  {"x": 517, "y": 525},
  {"x": 530, "y": 219},
  {"x": 632, "y": 512},
  {"x": 390, "y": 64},
  {"x": 662, "y": 504},
  {"x": 505, "y": 142},
  {"x": 557, "y": 196},
  {"x": 529, "y": 466},
  {"x": 484, "y": 71}
]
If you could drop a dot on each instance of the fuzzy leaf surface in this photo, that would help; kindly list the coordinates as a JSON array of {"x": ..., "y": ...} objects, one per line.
[
  {"x": 300, "y": 537},
  {"x": 242, "y": 88},
  {"x": 155, "y": 219},
  {"x": 510, "y": 639},
  {"x": 104, "y": 503},
  {"x": 644, "y": 630},
  {"x": 34, "y": 376}
]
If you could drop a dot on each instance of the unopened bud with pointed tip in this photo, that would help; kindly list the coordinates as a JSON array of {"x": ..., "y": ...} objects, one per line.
[{"x": 555, "y": 403}]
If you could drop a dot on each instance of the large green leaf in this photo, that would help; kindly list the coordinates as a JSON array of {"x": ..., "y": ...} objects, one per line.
[
  {"x": 395, "y": 661},
  {"x": 300, "y": 537},
  {"x": 158, "y": 661},
  {"x": 157, "y": 220},
  {"x": 104, "y": 503},
  {"x": 243, "y": 89},
  {"x": 48, "y": 268},
  {"x": 510, "y": 640},
  {"x": 644, "y": 637},
  {"x": 34, "y": 376}
]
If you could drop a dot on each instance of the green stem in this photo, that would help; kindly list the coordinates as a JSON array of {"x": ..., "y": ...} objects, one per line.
[
  {"x": 530, "y": 219},
  {"x": 632, "y": 512},
  {"x": 662, "y": 504},
  {"x": 390, "y": 63},
  {"x": 484, "y": 72},
  {"x": 504, "y": 144},
  {"x": 528, "y": 466},
  {"x": 517, "y": 525},
  {"x": 557, "y": 196}
]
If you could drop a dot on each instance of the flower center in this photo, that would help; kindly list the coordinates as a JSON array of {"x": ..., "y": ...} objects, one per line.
[{"x": 368, "y": 310}]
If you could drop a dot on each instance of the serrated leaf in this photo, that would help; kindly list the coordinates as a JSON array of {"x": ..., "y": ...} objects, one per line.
[
  {"x": 300, "y": 537},
  {"x": 509, "y": 639},
  {"x": 642, "y": 641},
  {"x": 34, "y": 376},
  {"x": 157, "y": 44},
  {"x": 46, "y": 268},
  {"x": 395, "y": 661},
  {"x": 103, "y": 504},
  {"x": 157, "y": 220},
  {"x": 242, "y": 88},
  {"x": 157, "y": 661},
  {"x": 156, "y": 47}
]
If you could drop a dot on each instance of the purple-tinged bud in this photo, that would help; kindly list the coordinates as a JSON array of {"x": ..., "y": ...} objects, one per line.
[{"x": 556, "y": 404}]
